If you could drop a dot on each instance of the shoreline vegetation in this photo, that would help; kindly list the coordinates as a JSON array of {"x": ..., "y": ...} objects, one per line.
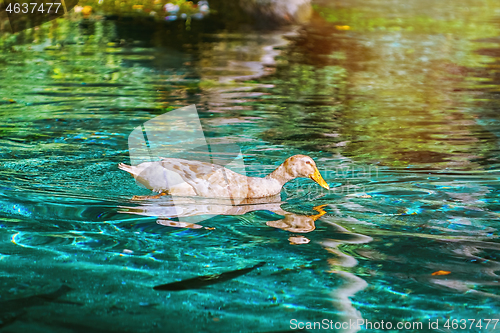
[{"x": 216, "y": 14}]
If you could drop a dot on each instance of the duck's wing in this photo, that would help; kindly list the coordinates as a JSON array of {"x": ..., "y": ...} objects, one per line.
[{"x": 207, "y": 179}]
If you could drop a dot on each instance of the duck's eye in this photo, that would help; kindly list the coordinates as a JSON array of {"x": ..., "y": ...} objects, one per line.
[{"x": 308, "y": 162}]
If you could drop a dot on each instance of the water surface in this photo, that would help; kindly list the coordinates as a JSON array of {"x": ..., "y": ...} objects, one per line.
[{"x": 396, "y": 101}]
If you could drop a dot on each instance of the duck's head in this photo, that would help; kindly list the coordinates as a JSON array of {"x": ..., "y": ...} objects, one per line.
[{"x": 304, "y": 166}]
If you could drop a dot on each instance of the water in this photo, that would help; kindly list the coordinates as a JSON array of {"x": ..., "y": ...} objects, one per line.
[{"x": 396, "y": 102}]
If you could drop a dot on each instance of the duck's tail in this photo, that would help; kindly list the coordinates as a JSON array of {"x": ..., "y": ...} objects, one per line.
[{"x": 129, "y": 168}]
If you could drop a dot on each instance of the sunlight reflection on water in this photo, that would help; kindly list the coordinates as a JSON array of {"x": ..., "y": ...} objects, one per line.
[{"x": 398, "y": 111}]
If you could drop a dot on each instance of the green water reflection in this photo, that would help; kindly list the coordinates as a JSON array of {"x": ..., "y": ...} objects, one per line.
[{"x": 396, "y": 102}]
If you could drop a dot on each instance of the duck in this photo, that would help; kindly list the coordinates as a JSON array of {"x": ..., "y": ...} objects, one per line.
[{"x": 191, "y": 178}]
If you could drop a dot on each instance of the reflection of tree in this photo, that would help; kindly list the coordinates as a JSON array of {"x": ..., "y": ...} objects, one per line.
[
  {"x": 398, "y": 99},
  {"x": 487, "y": 101},
  {"x": 416, "y": 116},
  {"x": 313, "y": 86}
]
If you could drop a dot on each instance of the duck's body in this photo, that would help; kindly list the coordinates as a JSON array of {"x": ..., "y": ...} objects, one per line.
[{"x": 179, "y": 177}]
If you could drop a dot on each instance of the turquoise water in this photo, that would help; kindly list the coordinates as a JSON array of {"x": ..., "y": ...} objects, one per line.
[{"x": 397, "y": 103}]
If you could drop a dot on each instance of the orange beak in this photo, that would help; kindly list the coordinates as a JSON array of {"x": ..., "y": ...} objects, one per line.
[{"x": 316, "y": 176}]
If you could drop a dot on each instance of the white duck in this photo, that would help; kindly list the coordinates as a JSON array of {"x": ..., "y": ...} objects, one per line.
[{"x": 179, "y": 177}]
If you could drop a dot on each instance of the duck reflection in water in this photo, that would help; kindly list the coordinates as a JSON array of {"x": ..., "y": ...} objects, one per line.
[
  {"x": 198, "y": 209},
  {"x": 294, "y": 223}
]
